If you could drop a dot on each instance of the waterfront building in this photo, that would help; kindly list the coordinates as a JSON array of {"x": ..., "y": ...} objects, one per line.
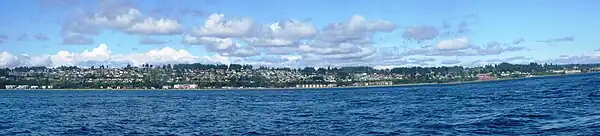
[{"x": 10, "y": 86}]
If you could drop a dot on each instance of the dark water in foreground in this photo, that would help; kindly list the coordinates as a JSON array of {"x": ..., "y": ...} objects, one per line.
[{"x": 545, "y": 106}]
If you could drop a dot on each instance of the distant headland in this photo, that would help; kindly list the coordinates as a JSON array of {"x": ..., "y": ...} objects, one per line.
[{"x": 246, "y": 77}]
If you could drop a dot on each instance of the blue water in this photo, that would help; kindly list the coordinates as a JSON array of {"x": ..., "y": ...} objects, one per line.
[{"x": 543, "y": 106}]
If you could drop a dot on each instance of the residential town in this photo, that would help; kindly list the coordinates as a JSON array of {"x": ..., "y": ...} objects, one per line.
[{"x": 235, "y": 76}]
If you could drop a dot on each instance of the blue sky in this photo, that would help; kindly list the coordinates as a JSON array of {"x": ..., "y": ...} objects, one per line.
[{"x": 379, "y": 33}]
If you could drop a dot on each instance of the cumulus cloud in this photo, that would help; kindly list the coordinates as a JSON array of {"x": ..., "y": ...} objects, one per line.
[
  {"x": 165, "y": 55},
  {"x": 223, "y": 46},
  {"x": 420, "y": 33},
  {"x": 42, "y": 60},
  {"x": 291, "y": 30},
  {"x": 116, "y": 18},
  {"x": 77, "y": 32},
  {"x": 62, "y": 58},
  {"x": 151, "y": 26},
  {"x": 211, "y": 43},
  {"x": 460, "y": 47},
  {"x": 330, "y": 48},
  {"x": 281, "y": 50},
  {"x": 356, "y": 29},
  {"x": 120, "y": 16},
  {"x": 243, "y": 52},
  {"x": 8, "y": 60},
  {"x": 338, "y": 41},
  {"x": 283, "y": 33},
  {"x": 344, "y": 43},
  {"x": 359, "y": 53},
  {"x": 266, "y": 42},
  {"x": 101, "y": 55},
  {"x": 597, "y": 49},
  {"x": 76, "y": 26},
  {"x": 218, "y": 26},
  {"x": 454, "y": 44}
]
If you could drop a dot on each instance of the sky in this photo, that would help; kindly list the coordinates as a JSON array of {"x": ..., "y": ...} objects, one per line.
[{"x": 298, "y": 33}]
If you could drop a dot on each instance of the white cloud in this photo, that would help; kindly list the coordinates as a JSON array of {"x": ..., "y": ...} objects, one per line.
[
  {"x": 359, "y": 23},
  {"x": 217, "y": 26},
  {"x": 455, "y": 44},
  {"x": 101, "y": 53},
  {"x": 112, "y": 19},
  {"x": 218, "y": 59},
  {"x": 42, "y": 60},
  {"x": 291, "y": 57},
  {"x": 116, "y": 15},
  {"x": 63, "y": 58},
  {"x": 165, "y": 55},
  {"x": 8, "y": 60},
  {"x": 151, "y": 26},
  {"x": 265, "y": 42},
  {"x": 292, "y": 30},
  {"x": 244, "y": 52},
  {"x": 363, "y": 52},
  {"x": 357, "y": 28},
  {"x": 212, "y": 43},
  {"x": 283, "y": 33}
]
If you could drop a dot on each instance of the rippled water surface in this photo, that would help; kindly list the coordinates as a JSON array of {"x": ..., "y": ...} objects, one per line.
[{"x": 544, "y": 106}]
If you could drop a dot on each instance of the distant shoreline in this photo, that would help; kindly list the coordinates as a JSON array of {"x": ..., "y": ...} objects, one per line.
[{"x": 296, "y": 88}]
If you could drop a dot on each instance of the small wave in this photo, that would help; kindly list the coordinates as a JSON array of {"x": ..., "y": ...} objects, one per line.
[{"x": 571, "y": 124}]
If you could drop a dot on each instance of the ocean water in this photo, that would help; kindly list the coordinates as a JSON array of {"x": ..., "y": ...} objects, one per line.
[{"x": 567, "y": 105}]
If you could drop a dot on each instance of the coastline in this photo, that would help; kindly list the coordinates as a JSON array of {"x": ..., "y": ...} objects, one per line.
[{"x": 295, "y": 88}]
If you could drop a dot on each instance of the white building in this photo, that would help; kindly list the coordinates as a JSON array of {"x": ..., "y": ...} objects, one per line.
[
  {"x": 185, "y": 86},
  {"x": 10, "y": 86},
  {"x": 23, "y": 87},
  {"x": 572, "y": 71},
  {"x": 193, "y": 86}
]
